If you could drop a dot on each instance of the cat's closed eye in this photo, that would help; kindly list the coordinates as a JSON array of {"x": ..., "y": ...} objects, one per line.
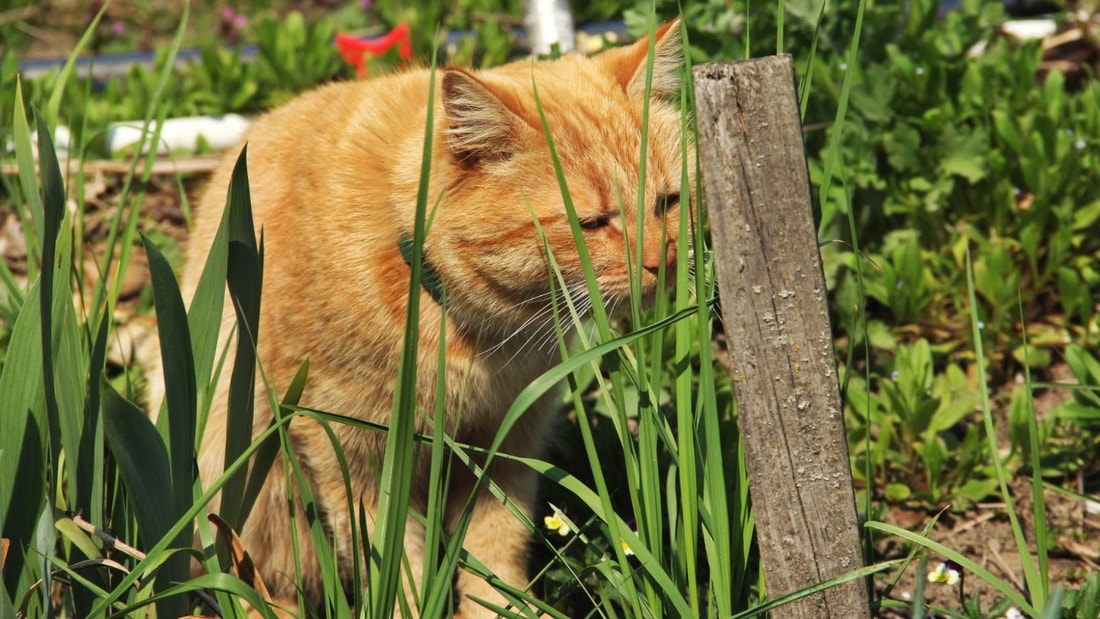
[
  {"x": 594, "y": 223},
  {"x": 667, "y": 202}
]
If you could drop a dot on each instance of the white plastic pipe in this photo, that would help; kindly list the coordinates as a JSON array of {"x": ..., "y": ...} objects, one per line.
[{"x": 178, "y": 134}]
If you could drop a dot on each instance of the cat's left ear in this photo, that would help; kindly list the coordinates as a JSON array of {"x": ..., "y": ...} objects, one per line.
[
  {"x": 628, "y": 64},
  {"x": 480, "y": 126}
]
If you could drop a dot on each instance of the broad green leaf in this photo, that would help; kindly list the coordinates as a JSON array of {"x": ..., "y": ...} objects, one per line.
[
  {"x": 63, "y": 362},
  {"x": 204, "y": 317},
  {"x": 244, "y": 277},
  {"x": 77, "y": 537},
  {"x": 144, "y": 467},
  {"x": 897, "y": 492},
  {"x": 179, "y": 372},
  {"x": 965, "y": 155},
  {"x": 1007, "y": 131},
  {"x": 903, "y": 148},
  {"x": 23, "y": 420},
  {"x": 23, "y": 433}
]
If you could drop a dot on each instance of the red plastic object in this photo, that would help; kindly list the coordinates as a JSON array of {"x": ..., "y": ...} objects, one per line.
[{"x": 355, "y": 50}]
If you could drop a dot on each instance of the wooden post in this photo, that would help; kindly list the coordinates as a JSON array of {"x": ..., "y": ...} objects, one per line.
[{"x": 777, "y": 323}]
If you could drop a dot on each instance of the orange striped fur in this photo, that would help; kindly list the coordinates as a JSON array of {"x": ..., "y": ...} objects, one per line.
[{"x": 334, "y": 177}]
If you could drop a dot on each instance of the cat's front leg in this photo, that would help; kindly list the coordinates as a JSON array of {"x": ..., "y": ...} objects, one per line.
[{"x": 497, "y": 537}]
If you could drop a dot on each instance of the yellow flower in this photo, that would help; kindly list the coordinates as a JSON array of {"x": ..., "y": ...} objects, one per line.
[
  {"x": 947, "y": 574},
  {"x": 626, "y": 548},
  {"x": 555, "y": 522}
]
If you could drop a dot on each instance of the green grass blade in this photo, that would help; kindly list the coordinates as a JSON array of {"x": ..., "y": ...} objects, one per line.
[
  {"x": 1005, "y": 589},
  {"x": 54, "y": 103},
  {"x": 646, "y": 560},
  {"x": 91, "y": 466},
  {"x": 395, "y": 481},
  {"x": 833, "y": 159},
  {"x": 779, "y": 602},
  {"x": 265, "y": 456},
  {"x": 600, "y": 317},
  {"x": 324, "y": 545},
  {"x": 436, "y": 597},
  {"x": 1038, "y": 499},
  {"x": 648, "y": 492},
  {"x": 28, "y": 179},
  {"x": 728, "y": 555},
  {"x": 215, "y": 582},
  {"x": 687, "y": 455},
  {"x": 123, "y": 229},
  {"x": 1036, "y": 588},
  {"x": 804, "y": 88}
]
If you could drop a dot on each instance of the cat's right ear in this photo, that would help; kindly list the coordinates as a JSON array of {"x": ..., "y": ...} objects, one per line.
[
  {"x": 629, "y": 64},
  {"x": 480, "y": 127}
]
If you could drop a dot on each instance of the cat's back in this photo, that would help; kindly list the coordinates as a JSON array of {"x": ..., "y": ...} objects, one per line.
[
  {"x": 329, "y": 115},
  {"x": 331, "y": 149}
]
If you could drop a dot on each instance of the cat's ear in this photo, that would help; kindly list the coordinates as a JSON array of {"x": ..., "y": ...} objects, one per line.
[
  {"x": 480, "y": 127},
  {"x": 628, "y": 64}
]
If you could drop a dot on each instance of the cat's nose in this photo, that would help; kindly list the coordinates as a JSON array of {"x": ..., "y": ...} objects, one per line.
[{"x": 654, "y": 255}]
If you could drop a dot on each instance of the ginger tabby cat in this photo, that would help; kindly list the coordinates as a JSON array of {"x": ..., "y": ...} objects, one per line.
[{"x": 334, "y": 177}]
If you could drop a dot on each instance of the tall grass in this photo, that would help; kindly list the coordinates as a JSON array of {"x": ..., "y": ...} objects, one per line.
[{"x": 676, "y": 538}]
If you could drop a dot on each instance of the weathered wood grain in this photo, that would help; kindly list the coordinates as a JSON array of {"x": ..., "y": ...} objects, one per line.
[{"x": 776, "y": 319}]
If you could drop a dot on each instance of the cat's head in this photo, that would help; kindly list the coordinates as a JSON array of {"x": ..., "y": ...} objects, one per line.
[{"x": 484, "y": 240}]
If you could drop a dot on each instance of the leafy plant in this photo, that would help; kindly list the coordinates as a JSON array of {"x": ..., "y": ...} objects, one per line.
[
  {"x": 295, "y": 55},
  {"x": 921, "y": 449},
  {"x": 938, "y": 153},
  {"x": 1078, "y": 448}
]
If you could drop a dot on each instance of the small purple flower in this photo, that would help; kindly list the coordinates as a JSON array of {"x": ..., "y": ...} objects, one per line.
[
  {"x": 366, "y": 5},
  {"x": 894, "y": 375},
  {"x": 117, "y": 28}
]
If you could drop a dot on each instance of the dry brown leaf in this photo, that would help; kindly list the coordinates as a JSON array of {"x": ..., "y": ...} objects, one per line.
[{"x": 242, "y": 567}]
